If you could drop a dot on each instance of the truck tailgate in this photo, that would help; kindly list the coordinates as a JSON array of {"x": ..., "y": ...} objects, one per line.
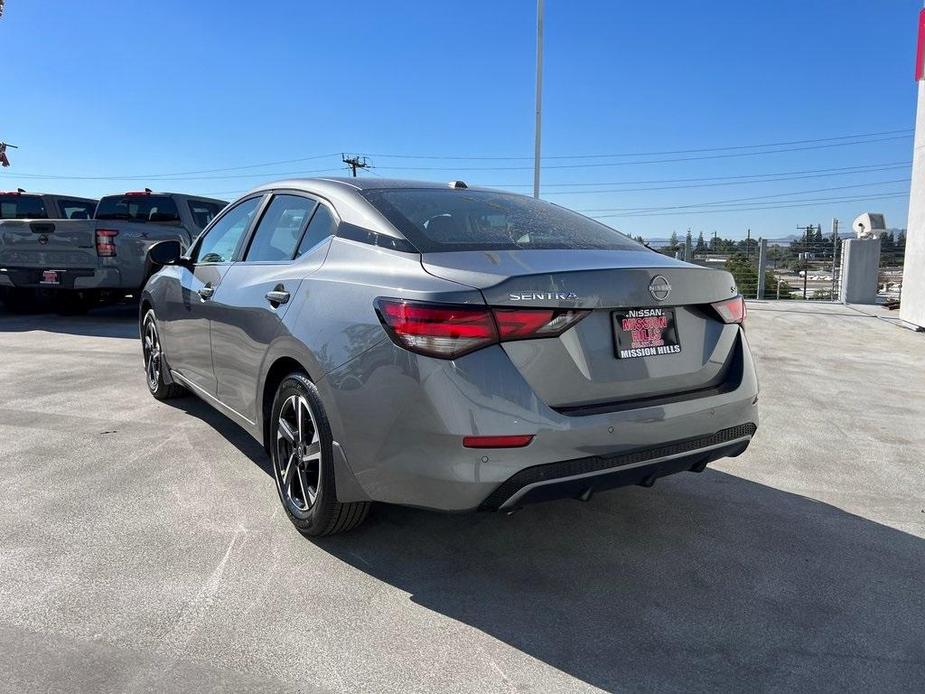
[{"x": 48, "y": 244}]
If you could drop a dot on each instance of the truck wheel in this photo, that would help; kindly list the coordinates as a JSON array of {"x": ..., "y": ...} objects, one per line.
[
  {"x": 302, "y": 454},
  {"x": 154, "y": 361},
  {"x": 76, "y": 303},
  {"x": 20, "y": 301}
]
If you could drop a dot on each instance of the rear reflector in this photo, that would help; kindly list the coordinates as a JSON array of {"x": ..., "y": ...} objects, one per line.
[
  {"x": 518, "y": 441},
  {"x": 105, "y": 242},
  {"x": 732, "y": 310},
  {"x": 449, "y": 331}
]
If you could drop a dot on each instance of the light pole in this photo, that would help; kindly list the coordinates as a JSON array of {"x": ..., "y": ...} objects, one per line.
[{"x": 539, "y": 97}]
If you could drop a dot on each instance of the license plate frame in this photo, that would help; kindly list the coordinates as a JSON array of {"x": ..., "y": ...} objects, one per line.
[
  {"x": 645, "y": 332},
  {"x": 51, "y": 277}
]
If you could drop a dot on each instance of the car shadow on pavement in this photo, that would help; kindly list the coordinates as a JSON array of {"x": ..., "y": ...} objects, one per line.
[
  {"x": 702, "y": 583},
  {"x": 120, "y": 320},
  {"x": 234, "y": 434}
]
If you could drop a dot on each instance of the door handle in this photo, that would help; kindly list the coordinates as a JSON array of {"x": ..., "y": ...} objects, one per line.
[
  {"x": 277, "y": 296},
  {"x": 206, "y": 292}
]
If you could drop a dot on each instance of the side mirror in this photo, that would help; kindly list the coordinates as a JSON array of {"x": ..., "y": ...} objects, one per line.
[{"x": 165, "y": 253}]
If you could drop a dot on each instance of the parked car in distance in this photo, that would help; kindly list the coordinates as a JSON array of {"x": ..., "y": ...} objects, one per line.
[
  {"x": 446, "y": 347},
  {"x": 81, "y": 259}
]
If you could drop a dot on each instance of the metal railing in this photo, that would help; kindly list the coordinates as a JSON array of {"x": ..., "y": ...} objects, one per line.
[{"x": 808, "y": 269}]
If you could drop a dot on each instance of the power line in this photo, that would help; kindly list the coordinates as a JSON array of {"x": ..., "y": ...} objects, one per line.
[
  {"x": 638, "y": 154},
  {"x": 642, "y": 162},
  {"x": 712, "y": 185},
  {"x": 267, "y": 174},
  {"x": 196, "y": 174},
  {"x": 749, "y": 199},
  {"x": 808, "y": 203},
  {"x": 858, "y": 168},
  {"x": 182, "y": 173}
]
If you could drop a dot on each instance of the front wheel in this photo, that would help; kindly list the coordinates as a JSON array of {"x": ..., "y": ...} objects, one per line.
[
  {"x": 154, "y": 361},
  {"x": 301, "y": 447}
]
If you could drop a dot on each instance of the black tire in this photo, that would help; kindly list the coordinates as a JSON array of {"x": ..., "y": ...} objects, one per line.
[
  {"x": 320, "y": 513},
  {"x": 20, "y": 301},
  {"x": 76, "y": 304},
  {"x": 154, "y": 361}
]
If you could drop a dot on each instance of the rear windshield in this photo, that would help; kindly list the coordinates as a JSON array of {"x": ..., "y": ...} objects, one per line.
[
  {"x": 22, "y": 207},
  {"x": 76, "y": 209},
  {"x": 463, "y": 220},
  {"x": 139, "y": 208},
  {"x": 204, "y": 212}
]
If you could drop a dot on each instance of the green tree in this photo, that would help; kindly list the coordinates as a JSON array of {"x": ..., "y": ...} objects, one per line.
[{"x": 701, "y": 246}]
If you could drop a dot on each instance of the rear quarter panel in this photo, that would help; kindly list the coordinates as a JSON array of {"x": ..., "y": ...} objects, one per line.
[{"x": 333, "y": 319}]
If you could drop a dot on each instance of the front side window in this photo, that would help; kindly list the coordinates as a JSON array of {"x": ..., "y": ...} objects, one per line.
[
  {"x": 221, "y": 241},
  {"x": 204, "y": 212},
  {"x": 76, "y": 209},
  {"x": 139, "y": 207},
  {"x": 322, "y": 225},
  {"x": 18, "y": 206},
  {"x": 280, "y": 228},
  {"x": 436, "y": 219}
]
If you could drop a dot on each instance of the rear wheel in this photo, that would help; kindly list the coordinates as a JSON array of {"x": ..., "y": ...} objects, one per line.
[
  {"x": 20, "y": 300},
  {"x": 154, "y": 361},
  {"x": 301, "y": 448}
]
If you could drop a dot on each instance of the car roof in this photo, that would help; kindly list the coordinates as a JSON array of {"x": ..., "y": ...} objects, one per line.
[
  {"x": 356, "y": 184},
  {"x": 48, "y": 195}
]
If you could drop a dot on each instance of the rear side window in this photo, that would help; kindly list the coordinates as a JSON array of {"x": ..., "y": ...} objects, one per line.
[
  {"x": 280, "y": 228},
  {"x": 435, "y": 219},
  {"x": 22, "y": 207},
  {"x": 203, "y": 212},
  {"x": 159, "y": 209},
  {"x": 322, "y": 225},
  {"x": 76, "y": 209}
]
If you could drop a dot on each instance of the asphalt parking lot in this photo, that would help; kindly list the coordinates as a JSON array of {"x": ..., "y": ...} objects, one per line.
[{"x": 142, "y": 546}]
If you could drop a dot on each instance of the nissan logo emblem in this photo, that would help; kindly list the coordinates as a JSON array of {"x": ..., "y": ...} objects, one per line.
[
  {"x": 659, "y": 288},
  {"x": 43, "y": 240}
]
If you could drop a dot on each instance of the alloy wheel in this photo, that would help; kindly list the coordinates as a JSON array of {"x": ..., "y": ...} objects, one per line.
[
  {"x": 152, "y": 354},
  {"x": 298, "y": 455}
]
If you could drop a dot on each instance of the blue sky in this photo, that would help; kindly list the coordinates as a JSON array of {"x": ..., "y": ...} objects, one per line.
[{"x": 94, "y": 89}]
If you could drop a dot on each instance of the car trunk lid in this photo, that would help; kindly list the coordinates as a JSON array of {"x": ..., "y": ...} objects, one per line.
[{"x": 584, "y": 366}]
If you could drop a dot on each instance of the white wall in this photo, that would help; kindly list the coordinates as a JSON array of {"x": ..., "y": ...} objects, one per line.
[{"x": 913, "y": 296}]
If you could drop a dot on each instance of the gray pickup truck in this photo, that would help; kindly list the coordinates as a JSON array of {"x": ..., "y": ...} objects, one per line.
[{"x": 79, "y": 262}]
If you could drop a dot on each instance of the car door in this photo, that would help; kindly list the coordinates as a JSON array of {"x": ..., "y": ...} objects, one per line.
[
  {"x": 288, "y": 243},
  {"x": 189, "y": 311}
]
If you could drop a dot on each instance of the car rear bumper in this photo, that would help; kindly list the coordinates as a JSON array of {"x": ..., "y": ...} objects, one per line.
[
  {"x": 582, "y": 477},
  {"x": 73, "y": 278},
  {"x": 400, "y": 420}
]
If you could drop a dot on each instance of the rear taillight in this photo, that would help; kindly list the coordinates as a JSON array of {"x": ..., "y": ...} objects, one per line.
[
  {"x": 449, "y": 331},
  {"x": 437, "y": 330},
  {"x": 731, "y": 310},
  {"x": 105, "y": 242},
  {"x": 526, "y": 323}
]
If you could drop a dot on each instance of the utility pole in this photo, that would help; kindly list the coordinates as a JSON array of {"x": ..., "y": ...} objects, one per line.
[
  {"x": 748, "y": 243},
  {"x": 355, "y": 162},
  {"x": 539, "y": 98},
  {"x": 807, "y": 230}
]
